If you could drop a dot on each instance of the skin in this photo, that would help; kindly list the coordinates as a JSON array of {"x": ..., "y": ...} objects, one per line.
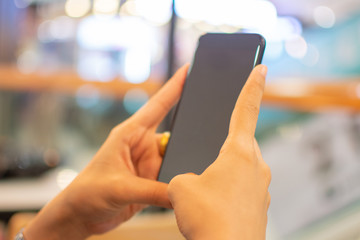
[
  {"x": 120, "y": 179},
  {"x": 228, "y": 201}
]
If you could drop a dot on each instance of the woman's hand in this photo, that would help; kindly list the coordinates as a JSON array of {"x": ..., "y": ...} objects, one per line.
[
  {"x": 120, "y": 179},
  {"x": 230, "y": 199}
]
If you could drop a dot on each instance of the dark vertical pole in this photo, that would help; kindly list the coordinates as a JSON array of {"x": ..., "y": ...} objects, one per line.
[
  {"x": 9, "y": 17},
  {"x": 171, "y": 46},
  {"x": 171, "y": 58}
]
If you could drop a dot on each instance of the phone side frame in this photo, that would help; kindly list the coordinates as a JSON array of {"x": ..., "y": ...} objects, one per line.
[{"x": 258, "y": 57}]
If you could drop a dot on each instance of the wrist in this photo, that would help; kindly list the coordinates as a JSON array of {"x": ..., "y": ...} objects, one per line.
[
  {"x": 214, "y": 233},
  {"x": 55, "y": 221}
]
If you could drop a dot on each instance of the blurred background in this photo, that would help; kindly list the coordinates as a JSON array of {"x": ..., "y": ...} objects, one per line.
[{"x": 70, "y": 70}]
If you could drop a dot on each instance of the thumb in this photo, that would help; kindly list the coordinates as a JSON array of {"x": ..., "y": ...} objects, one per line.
[
  {"x": 153, "y": 112},
  {"x": 150, "y": 192}
]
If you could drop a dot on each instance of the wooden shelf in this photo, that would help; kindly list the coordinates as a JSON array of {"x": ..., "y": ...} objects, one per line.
[
  {"x": 309, "y": 95},
  {"x": 314, "y": 96},
  {"x": 66, "y": 82}
]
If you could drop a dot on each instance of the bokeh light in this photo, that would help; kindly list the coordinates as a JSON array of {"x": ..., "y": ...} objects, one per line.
[
  {"x": 296, "y": 47},
  {"x": 107, "y": 7},
  {"x": 62, "y": 28},
  {"x": 109, "y": 33},
  {"x": 257, "y": 14},
  {"x": 96, "y": 67},
  {"x": 134, "y": 99},
  {"x": 44, "y": 33},
  {"x": 324, "y": 17},
  {"x": 22, "y": 3},
  {"x": 128, "y": 8},
  {"x": 77, "y": 8},
  {"x": 137, "y": 65},
  {"x": 286, "y": 28},
  {"x": 87, "y": 96},
  {"x": 28, "y": 61},
  {"x": 157, "y": 12},
  {"x": 65, "y": 177},
  {"x": 312, "y": 56}
]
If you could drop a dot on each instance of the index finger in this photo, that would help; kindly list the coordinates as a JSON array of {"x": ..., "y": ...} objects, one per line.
[{"x": 244, "y": 117}]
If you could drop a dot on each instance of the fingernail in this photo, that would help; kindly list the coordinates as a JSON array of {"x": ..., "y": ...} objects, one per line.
[{"x": 263, "y": 70}]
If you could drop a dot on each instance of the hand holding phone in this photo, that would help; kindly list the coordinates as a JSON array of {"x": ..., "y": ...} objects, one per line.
[{"x": 230, "y": 199}]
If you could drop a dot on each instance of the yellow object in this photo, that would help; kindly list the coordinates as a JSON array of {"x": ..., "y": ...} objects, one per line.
[{"x": 163, "y": 142}]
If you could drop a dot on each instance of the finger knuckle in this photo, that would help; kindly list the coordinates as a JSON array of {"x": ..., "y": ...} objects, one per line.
[
  {"x": 237, "y": 143},
  {"x": 267, "y": 172},
  {"x": 115, "y": 130},
  {"x": 176, "y": 183},
  {"x": 181, "y": 182},
  {"x": 242, "y": 150},
  {"x": 227, "y": 146},
  {"x": 118, "y": 130}
]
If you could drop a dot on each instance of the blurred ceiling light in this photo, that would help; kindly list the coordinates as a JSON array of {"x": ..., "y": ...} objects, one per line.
[
  {"x": 107, "y": 7},
  {"x": 189, "y": 10},
  {"x": 65, "y": 177},
  {"x": 128, "y": 8},
  {"x": 286, "y": 28},
  {"x": 156, "y": 11},
  {"x": 28, "y": 61},
  {"x": 98, "y": 33},
  {"x": 312, "y": 56},
  {"x": 324, "y": 17},
  {"x": 134, "y": 99},
  {"x": 296, "y": 47},
  {"x": 137, "y": 65},
  {"x": 77, "y": 8},
  {"x": 256, "y": 14}
]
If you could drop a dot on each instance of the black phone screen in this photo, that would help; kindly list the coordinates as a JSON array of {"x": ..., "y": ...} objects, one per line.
[{"x": 220, "y": 68}]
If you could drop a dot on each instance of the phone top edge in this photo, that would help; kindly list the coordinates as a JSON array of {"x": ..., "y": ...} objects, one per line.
[
  {"x": 261, "y": 37},
  {"x": 262, "y": 46}
]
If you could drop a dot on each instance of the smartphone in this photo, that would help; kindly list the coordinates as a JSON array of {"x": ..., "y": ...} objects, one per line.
[{"x": 220, "y": 68}]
